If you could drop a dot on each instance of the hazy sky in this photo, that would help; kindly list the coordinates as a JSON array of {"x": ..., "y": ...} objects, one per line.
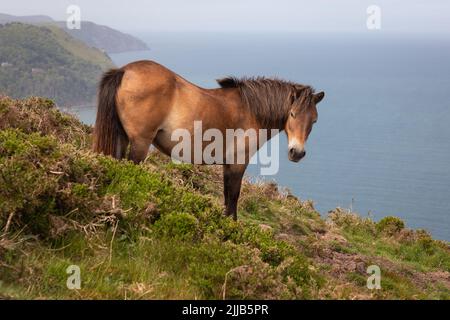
[{"x": 247, "y": 15}]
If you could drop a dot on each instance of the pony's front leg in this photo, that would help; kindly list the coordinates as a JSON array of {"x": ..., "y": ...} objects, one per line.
[{"x": 232, "y": 180}]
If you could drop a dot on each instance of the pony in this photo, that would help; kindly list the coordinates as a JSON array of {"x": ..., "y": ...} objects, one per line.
[{"x": 144, "y": 103}]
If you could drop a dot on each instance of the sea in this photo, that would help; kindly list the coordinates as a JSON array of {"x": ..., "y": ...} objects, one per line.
[{"x": 381, "y": 146}]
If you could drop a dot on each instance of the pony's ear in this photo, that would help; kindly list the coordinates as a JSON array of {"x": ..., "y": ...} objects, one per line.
[
  {"x": 229, "y": 82},
  {"x": 319, "y": 96}
]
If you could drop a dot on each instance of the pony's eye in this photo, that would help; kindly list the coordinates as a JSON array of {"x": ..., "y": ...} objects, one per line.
[{"x": 292, "y": 115}]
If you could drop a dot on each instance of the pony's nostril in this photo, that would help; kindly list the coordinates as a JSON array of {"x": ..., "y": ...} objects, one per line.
[{"x": 295, "y": 154}]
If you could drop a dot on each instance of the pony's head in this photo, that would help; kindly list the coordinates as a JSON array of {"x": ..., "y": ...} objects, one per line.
[
  {"x": 299, "y": 123},
  {"x": 282, "y": 105}
]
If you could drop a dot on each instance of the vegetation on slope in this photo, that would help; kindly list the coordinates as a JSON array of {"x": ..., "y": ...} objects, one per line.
[
  {"x": 156, "y": 230},
  {"x": 79, "y": 49},
  {"x": 46, "y": 61}
]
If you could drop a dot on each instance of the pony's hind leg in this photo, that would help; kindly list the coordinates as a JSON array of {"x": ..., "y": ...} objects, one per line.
[
  {"x": 140, "y": 142},
  {"x": 122, "y": 145},
  {"x": 139, "y": 150}
]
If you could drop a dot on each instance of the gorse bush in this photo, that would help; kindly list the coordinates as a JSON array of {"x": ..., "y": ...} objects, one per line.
[
  {"x": 39, "y": 115},
  {"x": 390, "y": 225}
]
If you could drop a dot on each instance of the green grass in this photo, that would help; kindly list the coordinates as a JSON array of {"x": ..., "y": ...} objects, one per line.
[
  {"x": 416, "y": 249},
  {"x": 157, "y": 230}
]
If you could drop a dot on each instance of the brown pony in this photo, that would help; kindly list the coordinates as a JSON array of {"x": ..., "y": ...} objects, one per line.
[{"x": 143, "y": 103}]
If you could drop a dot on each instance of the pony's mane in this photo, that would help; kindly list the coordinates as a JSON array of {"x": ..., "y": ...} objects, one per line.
[{"x": 269, "y": 99}]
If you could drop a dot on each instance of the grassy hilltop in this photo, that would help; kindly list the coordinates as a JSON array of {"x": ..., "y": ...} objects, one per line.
[{"x": 156, "y": 231}]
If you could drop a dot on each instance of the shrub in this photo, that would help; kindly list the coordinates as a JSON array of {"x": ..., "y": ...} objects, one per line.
[
  {"x": 181, "y": 226},
  {"x": 390, "y": 226},
  {"x": 352, "y": 222}
]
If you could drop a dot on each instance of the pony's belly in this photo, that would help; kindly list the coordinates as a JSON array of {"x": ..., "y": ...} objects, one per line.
[{"x": 185, "y": 149}]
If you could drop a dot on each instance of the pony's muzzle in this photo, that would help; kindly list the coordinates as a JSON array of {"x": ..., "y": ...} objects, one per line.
[{"x": 295, "y": 154}]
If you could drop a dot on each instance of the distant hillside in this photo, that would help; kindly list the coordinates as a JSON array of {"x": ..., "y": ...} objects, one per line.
[
  {"x": 44, "y": 60},
  {"x": 6, "y": 18},
  {"x": 94, "y": 35},
  {"x": 105, "y": 38}
]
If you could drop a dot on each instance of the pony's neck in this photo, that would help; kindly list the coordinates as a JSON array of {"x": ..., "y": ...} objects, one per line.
[
  {"x": 269, "y": 100},
  {"x": 271, "y": 122}
]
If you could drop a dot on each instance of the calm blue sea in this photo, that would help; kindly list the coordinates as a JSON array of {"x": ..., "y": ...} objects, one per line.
[{"x": 382, "y": 142}]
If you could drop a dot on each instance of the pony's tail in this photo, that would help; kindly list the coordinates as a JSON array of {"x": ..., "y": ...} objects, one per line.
[{"x": 108, "y": 130}]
